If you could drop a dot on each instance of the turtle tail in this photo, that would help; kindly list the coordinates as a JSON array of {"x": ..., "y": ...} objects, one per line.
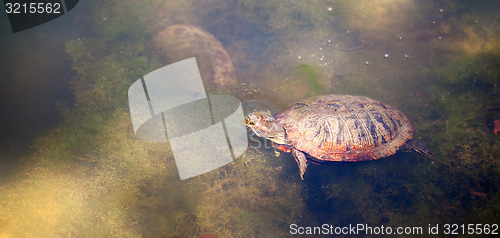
[{"x": 415, "y": 145}]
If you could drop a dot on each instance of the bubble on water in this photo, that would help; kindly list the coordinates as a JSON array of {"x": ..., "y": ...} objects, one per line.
[
  {"x": 406, "y": 56},
  {"x": 299, "y": 57},
  {"x": 441, "y": 10},
  {"x": 400, "y": 37},
  {"x": 386, "y": 55},
  {"x": 439, "y": 38},
  {"x": 367, "y": 62}
]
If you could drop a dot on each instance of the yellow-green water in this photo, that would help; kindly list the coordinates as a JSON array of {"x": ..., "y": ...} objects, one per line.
[{"x": 90, "y": 177}]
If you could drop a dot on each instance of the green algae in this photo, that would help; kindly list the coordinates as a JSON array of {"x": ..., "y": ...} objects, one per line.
[
  {"x": 312, "y": 76},
  {"x": 109, "y": 184}
]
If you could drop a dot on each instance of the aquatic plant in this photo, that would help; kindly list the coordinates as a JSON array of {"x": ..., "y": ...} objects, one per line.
[{"x": 96, "y": 179}]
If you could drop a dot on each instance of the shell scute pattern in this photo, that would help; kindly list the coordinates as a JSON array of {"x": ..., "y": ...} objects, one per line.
[{"x": 345, "y": 128}]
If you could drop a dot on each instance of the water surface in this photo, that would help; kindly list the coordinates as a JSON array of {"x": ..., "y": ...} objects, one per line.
[{"x": 436, "y": 61}]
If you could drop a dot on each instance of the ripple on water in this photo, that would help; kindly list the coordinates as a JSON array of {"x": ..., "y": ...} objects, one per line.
[{"x": 340, "y": 36}]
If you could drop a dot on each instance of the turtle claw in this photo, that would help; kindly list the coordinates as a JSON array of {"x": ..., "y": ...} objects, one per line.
[{"x": 416, "y": 145}]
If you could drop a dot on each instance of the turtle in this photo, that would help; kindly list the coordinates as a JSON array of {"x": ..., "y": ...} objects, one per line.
[
  {"x": 337, "y": 128},
  {"x": 178, "y": 42}
]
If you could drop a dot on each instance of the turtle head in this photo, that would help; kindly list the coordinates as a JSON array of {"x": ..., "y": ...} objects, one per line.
[{"x": 264, "y": 125}]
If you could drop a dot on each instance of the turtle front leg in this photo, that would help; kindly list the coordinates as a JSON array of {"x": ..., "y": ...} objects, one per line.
[{"x": 301, "y": 161}]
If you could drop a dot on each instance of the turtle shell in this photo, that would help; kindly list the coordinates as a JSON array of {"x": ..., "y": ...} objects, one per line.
[
  {"x": 179, "y": 42},
  {"x": 345, "y": 128}
]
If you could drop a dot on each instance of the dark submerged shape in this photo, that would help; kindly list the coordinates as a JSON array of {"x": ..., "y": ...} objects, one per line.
[
  {"x": 179, "y": 42},
  {"x": 337, "y": 128}
]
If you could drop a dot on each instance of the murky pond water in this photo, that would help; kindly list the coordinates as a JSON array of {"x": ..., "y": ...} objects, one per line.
[{"x": 435, "y": 61}]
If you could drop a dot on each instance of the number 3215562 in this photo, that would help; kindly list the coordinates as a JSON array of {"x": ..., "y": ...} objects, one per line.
[
  {"x": 471, "y": 229},
  {"x": 32, "y": 8}
]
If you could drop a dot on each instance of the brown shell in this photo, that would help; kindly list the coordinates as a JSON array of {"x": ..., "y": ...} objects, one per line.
[
  {"x": 345, "y": 128},
  {"x": 179, "y": 42}
]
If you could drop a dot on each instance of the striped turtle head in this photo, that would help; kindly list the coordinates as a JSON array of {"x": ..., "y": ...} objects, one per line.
[{"x": 264, "y": 125}]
